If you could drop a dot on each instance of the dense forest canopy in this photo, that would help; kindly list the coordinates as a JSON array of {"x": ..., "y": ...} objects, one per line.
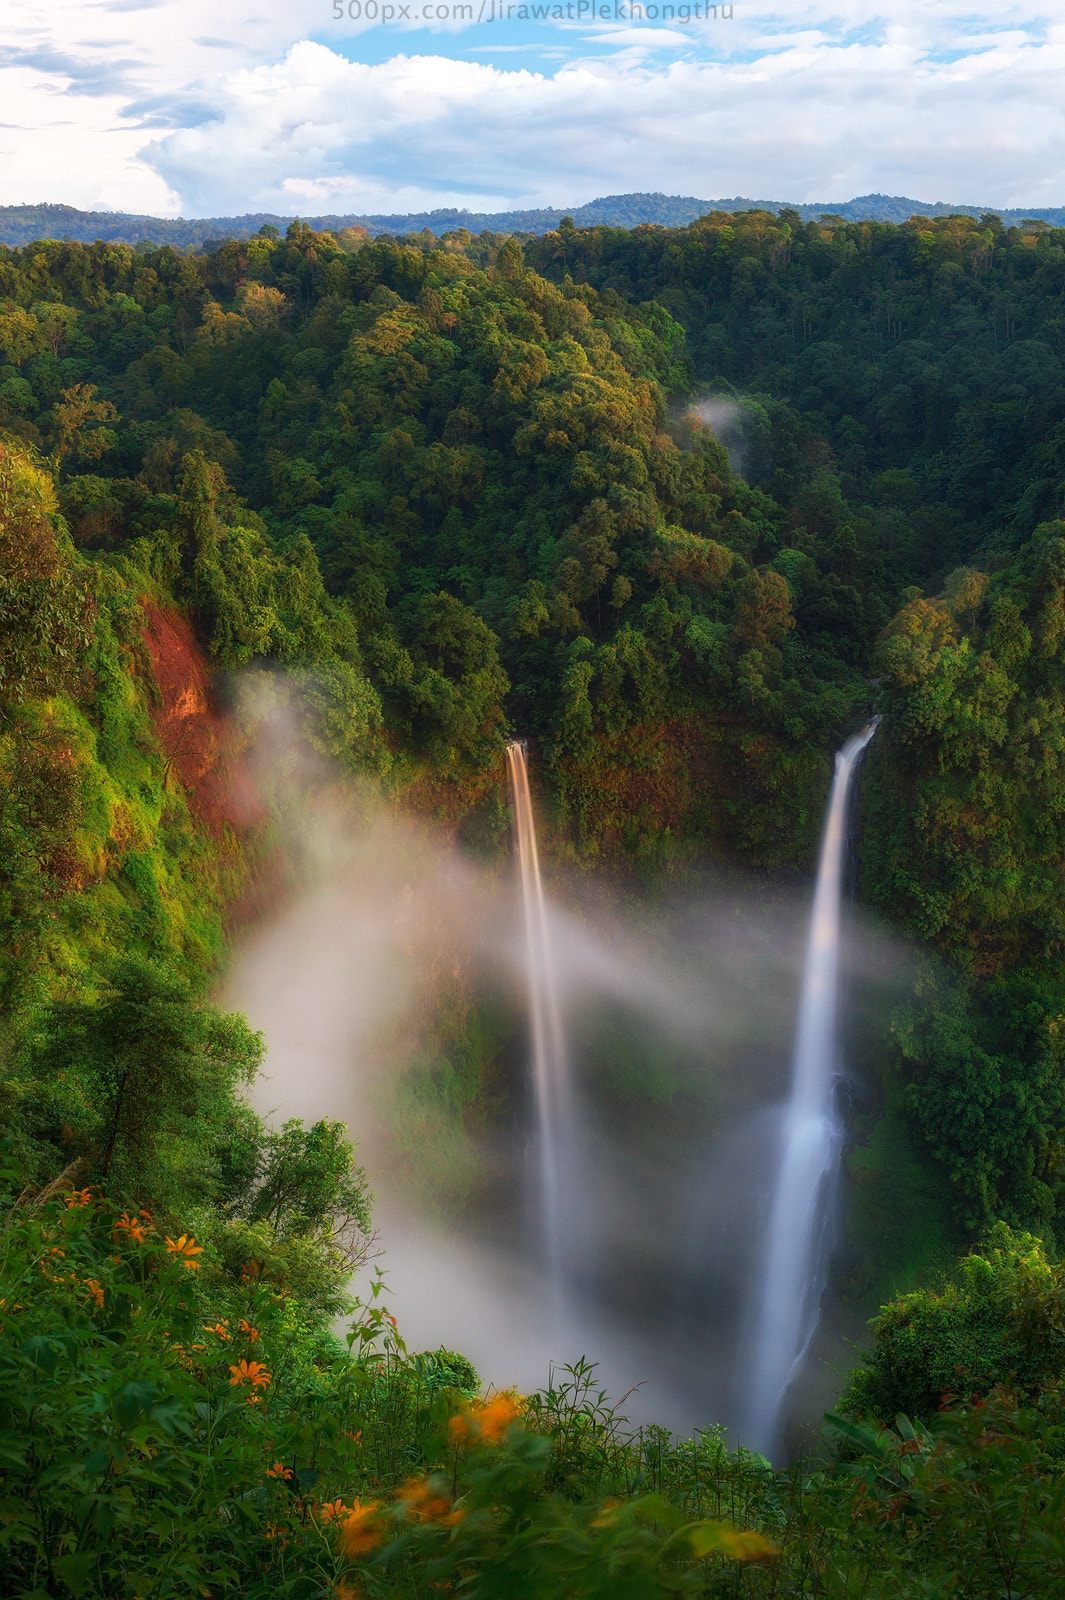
[
  {"x": 681, "y": 506},
  {"x": 467, "y": 484}
]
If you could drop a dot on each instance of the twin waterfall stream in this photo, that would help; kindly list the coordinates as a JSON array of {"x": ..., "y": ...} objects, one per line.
[
  {"x": 795, "y": 1262},
  {"x": 550, "y": 1069},
  {"x": 790, "y": 1277}
]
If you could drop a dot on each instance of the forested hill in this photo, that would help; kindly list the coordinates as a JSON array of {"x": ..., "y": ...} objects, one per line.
[
  {"x": 463, "y": 487},
  {"x": 681, "y": 506},
  {"x": 467, "y": 494},
  {"x": 20, "y": 225}
]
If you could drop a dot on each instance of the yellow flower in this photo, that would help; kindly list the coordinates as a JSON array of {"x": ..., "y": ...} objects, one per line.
[
  {"x": 606, "y": 1517},
  {"x": 485, "y": 1420},
  {"x": 335, "y": 1510},
  {"x": 747, "y": 1544},
  {"x": 252, "y": 1372},
  {"x": 185, "y": 1249},
  {"x": 423, "y": 1502},
  {"x": 361, "y": 1529},
  {"x": 133, "y": 1226},
  {"x": 738, "y": 1544}
]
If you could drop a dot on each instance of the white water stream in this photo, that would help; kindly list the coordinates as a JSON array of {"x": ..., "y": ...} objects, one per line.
[
  {"x": 795, "y": 1261},
  {"x": 550, "y": 1066}
]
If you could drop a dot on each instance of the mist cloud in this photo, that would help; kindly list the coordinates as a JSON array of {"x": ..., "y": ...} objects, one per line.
[{"x": 680, "y": 1018}]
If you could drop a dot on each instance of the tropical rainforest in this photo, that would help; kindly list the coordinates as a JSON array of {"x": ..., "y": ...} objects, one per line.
[{"x": 682, "y": 506}]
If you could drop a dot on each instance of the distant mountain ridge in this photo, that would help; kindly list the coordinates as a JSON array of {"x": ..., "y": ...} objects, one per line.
[{"x": 20, "y": 225}]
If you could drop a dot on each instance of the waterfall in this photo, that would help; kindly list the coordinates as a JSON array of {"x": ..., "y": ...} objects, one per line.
[
  {"x": 550, "y": 1069},
  {"x": 795, "y": 1261}
]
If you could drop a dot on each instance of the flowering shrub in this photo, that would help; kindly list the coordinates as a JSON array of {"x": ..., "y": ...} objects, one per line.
[
  {"x": 161, "y": 1436},
  {"x": 157, "y": 1445},
  {"x": 150, "y": 1444}
]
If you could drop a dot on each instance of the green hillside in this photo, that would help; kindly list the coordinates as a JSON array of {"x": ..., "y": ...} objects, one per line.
[{"x": 681, "y": 506}]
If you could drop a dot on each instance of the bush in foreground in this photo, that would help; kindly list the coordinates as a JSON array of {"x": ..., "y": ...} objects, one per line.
[{"x": 167, "y": 1430}]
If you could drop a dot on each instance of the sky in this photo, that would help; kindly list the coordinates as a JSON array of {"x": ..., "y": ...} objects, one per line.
[{"x": 220, "y": 107}]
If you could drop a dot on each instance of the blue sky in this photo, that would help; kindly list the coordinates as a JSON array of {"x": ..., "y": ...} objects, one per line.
[{"x": 216, "y": 107}]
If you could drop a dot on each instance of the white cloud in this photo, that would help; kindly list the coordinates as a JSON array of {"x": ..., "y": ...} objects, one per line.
[
  {"x": 948, "y": 102},
  {"x": 83, "y": 85}
]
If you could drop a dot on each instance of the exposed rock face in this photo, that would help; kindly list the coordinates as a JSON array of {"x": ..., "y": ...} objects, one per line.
[{"x": 192, "y": 734}]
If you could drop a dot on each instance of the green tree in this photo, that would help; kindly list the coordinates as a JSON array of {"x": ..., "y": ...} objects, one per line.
[
  {"x": 45, "y": 605},
  {"x": 454, "y": 689},
  {"x": 305, "y": 1183},
  {"x": 142, "y": 1086},
  {"x": 83, "y": 424},
  {"x": 998, "y": 1320}
]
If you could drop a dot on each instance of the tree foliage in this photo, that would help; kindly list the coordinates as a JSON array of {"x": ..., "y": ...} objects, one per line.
[
  {"x": 996, "y": 1322},
  {"x": 965, "y": 848}
]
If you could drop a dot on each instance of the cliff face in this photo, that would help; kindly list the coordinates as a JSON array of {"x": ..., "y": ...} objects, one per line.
[
  {"x": 190, "y": 731},
  {"x": 118, "y": 831}
]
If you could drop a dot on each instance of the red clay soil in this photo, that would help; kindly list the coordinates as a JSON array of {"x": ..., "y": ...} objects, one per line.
[{"x": 191, "y": 733}]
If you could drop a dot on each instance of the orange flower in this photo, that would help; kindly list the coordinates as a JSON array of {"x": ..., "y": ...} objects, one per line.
[
  {"x": 486, "y": 1420},
  {"x": 94, "y": 1290},
  {"x": 219, "y": 1328},
  {"x": 497, "y": 1416},
  {"x": 133, "y": 1226},
  {"x": 247, "y": 1329},
  {"x": 185, "y": 1249},
  {"x": 78, "y": 1197},
  {"x": 361, "y": 1530},
  {"x": 252, "y": 1372},
  {"x": 335, "y": 1510},
  {"x": 423, "y": 1502},
  {"x": 279, "y": 1470},
  {"x": 606, "y": 1517}
]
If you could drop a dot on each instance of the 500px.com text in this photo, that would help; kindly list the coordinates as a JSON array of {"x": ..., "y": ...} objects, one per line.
[{"x": 387, "y": 11}]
